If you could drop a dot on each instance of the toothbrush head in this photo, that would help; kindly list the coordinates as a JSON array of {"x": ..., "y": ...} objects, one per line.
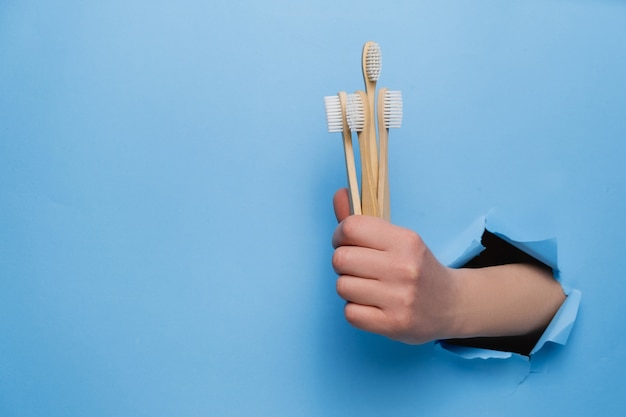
[
  {"x": 393, "y": 109},
  {"x": 355, "y": 112},
  {"x": 372, "y": 61},
  {"x": 334, "y": 118}
]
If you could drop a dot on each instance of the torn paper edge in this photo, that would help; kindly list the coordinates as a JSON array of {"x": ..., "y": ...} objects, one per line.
[{"x": 469, "y": 245}]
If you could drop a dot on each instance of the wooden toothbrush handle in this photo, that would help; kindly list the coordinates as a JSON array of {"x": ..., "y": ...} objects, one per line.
[
  {"x": 348, "y": 150},
  {"x": 369, "y": 172},
  {"x": 384, "y": 204}
]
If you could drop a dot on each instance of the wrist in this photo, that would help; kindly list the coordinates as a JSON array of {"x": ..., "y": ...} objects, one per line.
[{"x": 456, "y": 323}]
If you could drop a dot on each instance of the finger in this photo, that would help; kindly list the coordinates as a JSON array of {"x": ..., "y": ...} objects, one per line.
[
  {"x": 361, "y": 262},
  {"x": 366, "y": 231},
  {"x": 341, "y": 204},
  {"x": 361, "y": 291},
  {"x": 368, "y": 318}
]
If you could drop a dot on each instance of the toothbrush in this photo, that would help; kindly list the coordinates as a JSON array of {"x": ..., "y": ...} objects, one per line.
[
  {"x": 371, "y": 63},
  {"x": 358, "y": 120},
  {"x": 337, "y": 122},
  {"x": 389, "y": 117}
]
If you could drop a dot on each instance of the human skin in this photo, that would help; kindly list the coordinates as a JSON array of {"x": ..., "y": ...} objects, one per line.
[{"x": 394, "y": 286}]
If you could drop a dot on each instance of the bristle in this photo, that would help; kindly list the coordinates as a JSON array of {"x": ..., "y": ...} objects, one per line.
[
  {"x": 393, "y": 109},
  {"x": 373, "y": 61},
  {"x": 355, "y": 112},
  {"x": 333, "y": 114}
]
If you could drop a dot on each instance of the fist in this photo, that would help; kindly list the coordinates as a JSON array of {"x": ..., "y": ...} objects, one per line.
[{"x": 392, "y": 283}]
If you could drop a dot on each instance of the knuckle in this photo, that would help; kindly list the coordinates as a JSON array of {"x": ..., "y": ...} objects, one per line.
[
  {"x": 351, "y": 314},
  {"x": 340, "y": 258},
  {"x": 414, "y": 242},
  {"x": 408, "y": 270},
  {"x": 403, "y": 318},
  {"x": 411, "y": 271},
  {"x": 350, "y": 225},
  {"x": 408, "y": 301},
  {"x": 411, "y": 267},
  {"x": 342, "y": 286}
]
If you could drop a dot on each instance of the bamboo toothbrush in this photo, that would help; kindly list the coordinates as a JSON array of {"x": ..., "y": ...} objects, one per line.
[
  {"x": 389, "y": 117},
  {"x": 371, "y": 63},
  {"x": 337, "y": 122},
  {"x": 358, "y": 120}
]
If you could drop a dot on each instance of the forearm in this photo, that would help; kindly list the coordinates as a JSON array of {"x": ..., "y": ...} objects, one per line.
[{"x": 505, "y": 300}]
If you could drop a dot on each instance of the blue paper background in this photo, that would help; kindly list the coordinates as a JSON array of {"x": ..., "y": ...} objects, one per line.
[{"x": 165, "y": 186}]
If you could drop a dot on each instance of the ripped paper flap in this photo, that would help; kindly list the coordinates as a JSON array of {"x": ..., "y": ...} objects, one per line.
[{"x": 561, "y": 325}]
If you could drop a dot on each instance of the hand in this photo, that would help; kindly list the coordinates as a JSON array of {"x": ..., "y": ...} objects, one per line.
[
  {"x": 391, "y": 281},
  {"x": 394, "y": 286}
]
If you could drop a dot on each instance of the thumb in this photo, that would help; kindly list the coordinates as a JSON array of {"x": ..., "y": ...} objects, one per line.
[{"x": 341, "y": 204}]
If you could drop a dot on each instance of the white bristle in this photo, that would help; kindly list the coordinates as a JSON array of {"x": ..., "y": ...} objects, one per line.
[
  {"x": 373, "y": 62},
  {"x": 393, "y": 109},
  {"x": 355, "y": 112},
  {"x": 333, "y": 114}
]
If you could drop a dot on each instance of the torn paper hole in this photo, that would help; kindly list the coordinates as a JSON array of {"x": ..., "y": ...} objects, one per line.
[{"x": 469, "y": 246}]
